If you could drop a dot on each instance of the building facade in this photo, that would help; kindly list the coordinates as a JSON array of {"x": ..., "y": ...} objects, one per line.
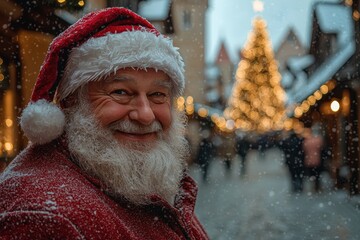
[{"x": 332, "y": 79}]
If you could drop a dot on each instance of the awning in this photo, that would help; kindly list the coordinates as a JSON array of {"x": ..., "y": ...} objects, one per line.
[{"x": 332, "y": 19}]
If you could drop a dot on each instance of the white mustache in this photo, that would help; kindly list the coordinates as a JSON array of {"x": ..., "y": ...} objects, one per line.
[{"x": 128, "y": 126}]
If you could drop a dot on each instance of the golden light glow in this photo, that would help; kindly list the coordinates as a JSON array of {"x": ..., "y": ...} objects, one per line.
[
  {"x": 2, "y": 77},
  {"x": 221, "y": 122},
  {"x": 230, "y": 124},
  {"x": 335, "y": 106},
  {"x": 298, "y": 112},
  {"x": 331, "y": 84},
  {"x": 311, "y": 99},
  {"x": 81, "y": 3},
  {"x": 214, "y": 117},
  {"x": 288, "y": 124},
  {"x": 61, "y": 1},
  {"x": 270, "y": 111},
  {"x": 203, "y": 112},
  {"x": 181, "y": 108},
  {"x": 189, "y": 109},
  {"x": 324, "y": 89},
  {"x": 8, "y": 122},
  {"x": 180, "y": 101},
  {"x": 228, "y": 113},
  {"x": 345, "y": 103},
  {"x": 238, "y": 123},
  {"x": 189, "y": 100},
  {"x": 318, "y": 95},
  {"x": 8, "y": 146},
  {"x": 305, "y": 105},
  {"x": 356, "y": 15}
]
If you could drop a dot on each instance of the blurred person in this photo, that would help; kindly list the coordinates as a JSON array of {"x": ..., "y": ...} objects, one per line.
[
  {"x": 263, "y": 145},
  {"x": 106, "y": 154},
  {"x": 205, "y": 154},
  {"x": 226, "y": 151},
  {"x": 313, "y": 145},
  {"x": 243, "y": 146},
  {"x": 292, "y": 147}
]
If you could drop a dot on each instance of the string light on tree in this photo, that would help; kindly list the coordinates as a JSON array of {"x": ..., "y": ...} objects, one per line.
[{"x": 257, "y": 100}]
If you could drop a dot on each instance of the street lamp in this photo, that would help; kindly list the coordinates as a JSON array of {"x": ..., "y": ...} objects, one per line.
[{"x": 335, "y": 106}]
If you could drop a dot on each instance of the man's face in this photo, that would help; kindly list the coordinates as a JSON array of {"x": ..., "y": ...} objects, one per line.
[
  {"x": 141, "y": 96},
  {"x": 125, "y": 133}
]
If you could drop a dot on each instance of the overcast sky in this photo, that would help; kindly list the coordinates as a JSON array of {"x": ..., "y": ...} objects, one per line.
[{"x": 231, "y": 21}]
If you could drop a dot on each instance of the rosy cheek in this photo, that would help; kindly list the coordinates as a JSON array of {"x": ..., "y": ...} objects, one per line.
[
  {"x": 164, "y": 116},
  {"x": 109, "y": 113}
]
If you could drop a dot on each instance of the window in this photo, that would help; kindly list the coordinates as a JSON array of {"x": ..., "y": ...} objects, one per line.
[{"x": 187, "y": 19}]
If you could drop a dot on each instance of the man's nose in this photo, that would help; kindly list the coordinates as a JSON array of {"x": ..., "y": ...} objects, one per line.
[{"x": 142, "y": 111}]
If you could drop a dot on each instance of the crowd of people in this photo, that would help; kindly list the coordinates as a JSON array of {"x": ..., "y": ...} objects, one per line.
[{"x": 304, "y": 153}]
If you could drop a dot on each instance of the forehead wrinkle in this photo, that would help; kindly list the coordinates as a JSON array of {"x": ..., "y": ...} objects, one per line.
[
  {"x": 163, "y": 83},
  {"x": 122, "y": 78}
]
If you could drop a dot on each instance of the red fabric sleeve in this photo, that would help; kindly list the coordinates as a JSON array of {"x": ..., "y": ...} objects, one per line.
[{"x": 36, "y": 225}]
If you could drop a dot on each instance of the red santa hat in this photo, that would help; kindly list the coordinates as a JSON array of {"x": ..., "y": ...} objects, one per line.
[{"x": 95, "y": 46}]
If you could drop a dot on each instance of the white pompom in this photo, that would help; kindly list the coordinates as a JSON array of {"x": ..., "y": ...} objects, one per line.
[{"x": 42, "y": 122}]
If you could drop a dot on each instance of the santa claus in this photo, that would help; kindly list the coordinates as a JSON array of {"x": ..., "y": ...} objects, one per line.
[{"x": 106, "y": 154}]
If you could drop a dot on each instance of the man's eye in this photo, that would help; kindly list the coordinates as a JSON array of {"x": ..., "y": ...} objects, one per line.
[
  {"x": 158, "y": 97},
  {"x": 119, "y": 92},
  {"x": 120, "y": 96}
]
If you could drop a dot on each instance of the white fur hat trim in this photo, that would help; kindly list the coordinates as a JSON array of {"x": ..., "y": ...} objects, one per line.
[
  {"x": 104, "y": 55},
  {"x": 42, "y": 122}
]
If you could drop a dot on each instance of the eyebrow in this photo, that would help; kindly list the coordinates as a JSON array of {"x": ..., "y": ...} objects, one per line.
[{"x": 164, "y": 83}]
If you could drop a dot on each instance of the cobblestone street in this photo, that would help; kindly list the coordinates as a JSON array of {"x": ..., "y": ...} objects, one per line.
[{"x": 261, "y": 206}]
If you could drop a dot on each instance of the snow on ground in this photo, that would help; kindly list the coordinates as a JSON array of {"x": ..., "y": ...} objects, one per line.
[{"x": 260, "y": 205}]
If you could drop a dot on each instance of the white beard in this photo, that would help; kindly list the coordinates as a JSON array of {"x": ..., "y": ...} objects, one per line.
[{"x": 133, "y": 171}]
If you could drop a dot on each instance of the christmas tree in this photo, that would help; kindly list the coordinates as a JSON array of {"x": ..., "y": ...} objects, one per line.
[{"x": 257, "y": 100}]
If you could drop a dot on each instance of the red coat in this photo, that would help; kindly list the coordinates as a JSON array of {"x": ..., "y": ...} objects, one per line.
[
  {"x": 312, "y": 148},
  {"x": 43, "y": 195}
]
